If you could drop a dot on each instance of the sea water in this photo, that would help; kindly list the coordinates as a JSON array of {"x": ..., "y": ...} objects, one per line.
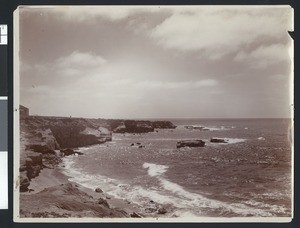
[{"x": 250, "y": 175}]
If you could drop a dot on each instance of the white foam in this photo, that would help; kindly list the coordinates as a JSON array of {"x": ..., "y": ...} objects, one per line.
[
  {"x": 186, "y": 203},
  {"x": 186, "y": 199},
  {"x": 228, "y": 141},
  {"x": 205, "y": 128},
  {"x": 83, "y": 148},
  {"x": 261, "y": 138},
  {"x": 234, "y": 140},
  {"x": 222, "y": 128},
  {"x": 154, "y": 169},
  {"x": 213, "y": 128}
]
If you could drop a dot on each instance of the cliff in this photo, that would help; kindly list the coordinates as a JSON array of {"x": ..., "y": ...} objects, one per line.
[
  {"x": 44, "y": 140},
  {"x": 137, "y": 126}
]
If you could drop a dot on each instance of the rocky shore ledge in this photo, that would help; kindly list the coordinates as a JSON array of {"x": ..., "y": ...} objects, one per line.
[{"x": 44, "y": 141}]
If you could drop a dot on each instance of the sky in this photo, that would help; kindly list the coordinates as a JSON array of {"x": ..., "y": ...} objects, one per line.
[{"x": 156, "y": 62}]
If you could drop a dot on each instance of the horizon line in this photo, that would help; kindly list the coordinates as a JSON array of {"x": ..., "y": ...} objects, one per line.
[{"x": 160, "y": 118}]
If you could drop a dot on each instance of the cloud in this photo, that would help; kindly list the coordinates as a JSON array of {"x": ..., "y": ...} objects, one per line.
[
  {"x": 161, "y": 84},
  {"x": 84, "y": 13},
  {"x": 155, "y": 84},
  {"x": 219, "y": 31},
  {"x": 206, "y": 83},
  {"x": 78, "y": 59},
  {"x": 264, "y": 56},
  {"x": 64, "y": 71},
  {"x": 163, "y": 60},
  {"x": 76, "y": 64},
  {"x": 92, "y": 13}
]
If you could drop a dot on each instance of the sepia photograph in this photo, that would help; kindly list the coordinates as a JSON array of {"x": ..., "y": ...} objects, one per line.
[{"x": 153, "y": 114}]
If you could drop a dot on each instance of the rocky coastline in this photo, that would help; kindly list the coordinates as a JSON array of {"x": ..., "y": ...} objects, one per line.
[{"x": 44, "y": 141}]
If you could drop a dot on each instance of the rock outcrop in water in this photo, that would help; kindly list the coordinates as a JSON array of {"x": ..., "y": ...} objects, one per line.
[
  {"x": 139, "y": 126},
  {"x": 44, "y": 140},
  {"x": 190, "y": 143},
  {"x": 163, "y": 124},
  {"x": 217, "y": 140}
]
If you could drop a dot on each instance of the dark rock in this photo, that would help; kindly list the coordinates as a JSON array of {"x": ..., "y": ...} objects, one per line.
[
  {"x": 99, "y": 190},
  {"x": 67, "y": 152},
  {"x": 140, "y": 126},
  {"x": 44, "y": 149},
  {"x": 162, "y": 211},
  {"x": 216, "y": 140},
  {"x": 103, "y": 202},
  {"x": 190, "y": 143},
  {"x": 30, "y": 190},
  {"x": 22, "y": 168},
  {"x": 77, "y": 133},
  {"x": 135, "y": 215},
  {"x": 33, "y": 171},
  {"x": 51, "y": 161},
  {"x": 150, "y": 210},
  {"x": 151, "y": 201},
  {"x": 36, "y": 158},
  {"x": 33, "y": 164},
  {"x": 28, "y": 162},
  {"x": 163, "y": 125},
  {"x": 24, "y": 182},
  {"x": 198, "y": 128},
  {"x": 138, "y": 145}
]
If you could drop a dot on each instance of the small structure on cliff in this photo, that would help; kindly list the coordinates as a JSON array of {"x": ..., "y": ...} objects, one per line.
[{"x": 24, "y": 111}]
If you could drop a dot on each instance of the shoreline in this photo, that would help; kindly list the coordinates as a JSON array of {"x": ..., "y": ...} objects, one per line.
[
  {"x": 56, "y": 190},
  {"x": 57, "y": 180}
]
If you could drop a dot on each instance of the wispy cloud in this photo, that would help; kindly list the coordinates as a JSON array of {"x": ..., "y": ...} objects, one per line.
[
  {"x": 264, "y": 56},
  {"x": 115, "y": 60},
  {"x": 206, "y": 83},
  {"x": 78, "y": 59},
  {"x": 154, "y": 84},
  {"x": 92, "y": 13},
  {"x": 216, "y": 31}
]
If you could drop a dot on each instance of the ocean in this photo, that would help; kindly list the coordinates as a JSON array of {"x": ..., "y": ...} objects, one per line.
[{"x": 250, "y": 176}]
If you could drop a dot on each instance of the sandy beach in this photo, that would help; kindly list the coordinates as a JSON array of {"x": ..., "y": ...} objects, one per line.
[{"x": 51, "y": 194}]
